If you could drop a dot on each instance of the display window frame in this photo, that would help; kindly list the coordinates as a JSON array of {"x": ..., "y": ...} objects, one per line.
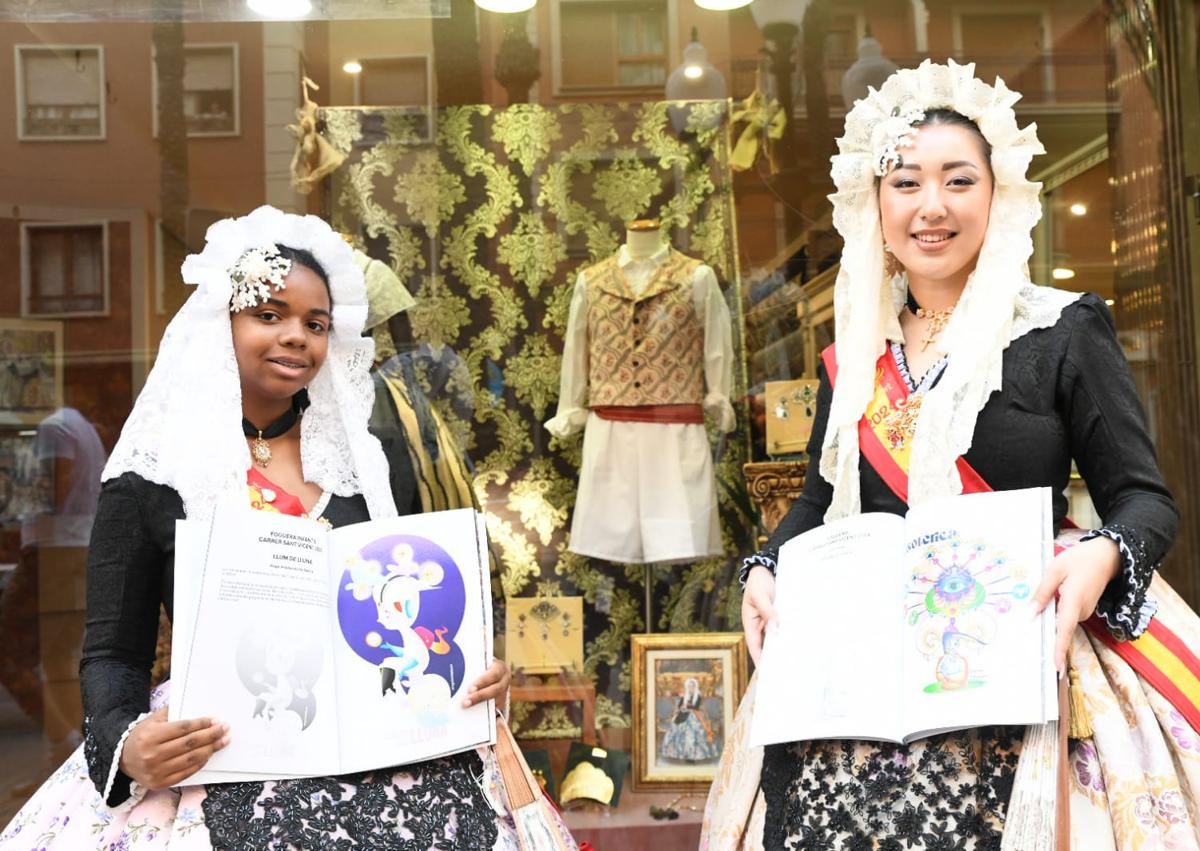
[
  {"x": 27, "y": 269},
  {"x": 19, "y": 80},
  {"x": 559, "y": 89},
  {"x": 235, "y": 61}
]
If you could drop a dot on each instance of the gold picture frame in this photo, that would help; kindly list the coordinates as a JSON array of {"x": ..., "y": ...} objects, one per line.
[{"x": 686, "y": 689}]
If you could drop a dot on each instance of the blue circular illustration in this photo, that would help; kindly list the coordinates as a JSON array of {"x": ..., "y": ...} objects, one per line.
[{"x": 400, "y": 606}]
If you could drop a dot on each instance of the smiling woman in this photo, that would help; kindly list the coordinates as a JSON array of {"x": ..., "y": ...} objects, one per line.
[
  {"x": 280, "y": 344},
  {"x": 291, "y": 363},
  {"x": 990, "y": 382}
]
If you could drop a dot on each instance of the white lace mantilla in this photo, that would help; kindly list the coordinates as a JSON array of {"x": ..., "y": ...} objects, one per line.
[
  {"x": 998, "y": 305},
  {"x": 185, "y": 429}
]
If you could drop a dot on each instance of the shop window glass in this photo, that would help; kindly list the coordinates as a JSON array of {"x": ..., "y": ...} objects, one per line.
[
  {"x": 394, "y": 81},
  {"x": 60, "y": 92},
  {"x": 65, "y": 272},
  {"x": 210, "y": 90},
  {"x": 1010, "y": 45},
  {"x": 607, "y": 44}
]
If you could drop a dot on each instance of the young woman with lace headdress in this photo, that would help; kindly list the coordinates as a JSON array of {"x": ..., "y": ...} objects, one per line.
[
  {"x": 979, "y": 380},
  {"x": 261, "y": 393}
]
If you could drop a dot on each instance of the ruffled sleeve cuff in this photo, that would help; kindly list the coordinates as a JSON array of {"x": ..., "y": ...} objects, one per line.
[
  {"x": 119, "y": 790},
  {"x": 764, "y": 558},
  {"x": 1123, "y": 606},
  {"x": 717, "y": 406},
  {"x": 567, "y": 422}
]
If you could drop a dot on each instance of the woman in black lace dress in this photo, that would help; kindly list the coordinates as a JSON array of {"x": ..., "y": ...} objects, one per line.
[
  {"x": 272, "y": 337},
  {"x": 1019, "y": 381}
]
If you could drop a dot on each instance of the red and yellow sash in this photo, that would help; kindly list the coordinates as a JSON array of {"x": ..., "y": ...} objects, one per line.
[{"x": 1159, "y": 655}]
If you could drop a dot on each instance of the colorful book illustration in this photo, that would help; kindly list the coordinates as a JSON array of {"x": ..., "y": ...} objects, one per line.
[
  {"x": 331, "y": 650},
  {"x": 896, "y": 628}
]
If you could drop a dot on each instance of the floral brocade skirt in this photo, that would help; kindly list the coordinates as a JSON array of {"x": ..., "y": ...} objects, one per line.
[{"x": 439, "y": 804}]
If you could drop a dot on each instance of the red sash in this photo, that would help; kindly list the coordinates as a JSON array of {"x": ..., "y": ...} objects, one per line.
[
  {"x": 1158, "y": 654},
  {"x": 663, "y": 414}
]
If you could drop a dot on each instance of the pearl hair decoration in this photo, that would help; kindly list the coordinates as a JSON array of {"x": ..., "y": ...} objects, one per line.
[{"x": 253, "y": 275}]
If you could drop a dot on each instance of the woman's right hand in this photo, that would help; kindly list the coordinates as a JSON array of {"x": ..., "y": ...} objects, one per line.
[
  {"x": 758, "y": 608},
  {"x": 159, "y": 753}
]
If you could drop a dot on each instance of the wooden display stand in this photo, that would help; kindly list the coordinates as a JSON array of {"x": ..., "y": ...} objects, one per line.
[{"x": 563, "y": 688}]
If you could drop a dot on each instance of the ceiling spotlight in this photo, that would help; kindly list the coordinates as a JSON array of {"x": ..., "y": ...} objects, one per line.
[
  {"x": 506, "y": 6},
  {"x": 1110, "y": 302},
  {"x": 1062, "y": 273},
  {"x": 280, "y": 9},
  {"x": 352, "y": 66},
  {"x": 721, "y": 5},
  {"x": 1078, "y": 209}
]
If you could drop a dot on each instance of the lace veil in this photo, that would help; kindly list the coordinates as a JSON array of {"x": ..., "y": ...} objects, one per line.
[
  {"x": 998, "y": 305},
  {"x": 185, "y": 429}
]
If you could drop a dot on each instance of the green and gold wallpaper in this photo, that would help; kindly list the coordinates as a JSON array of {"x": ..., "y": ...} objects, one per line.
[{"x": 487, "y": 215}]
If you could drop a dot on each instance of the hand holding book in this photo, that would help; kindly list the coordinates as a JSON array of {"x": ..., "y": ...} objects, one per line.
[{"x": 1077, "y": 577}]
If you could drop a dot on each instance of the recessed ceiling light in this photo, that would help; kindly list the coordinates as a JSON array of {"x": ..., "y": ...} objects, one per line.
[
  {"x": 280, "y": 9},
  {"x": 1061, "y": 273},
  {"x": 721, "y": 5},
  {"x": 506, "y": 6},
  {"x": 1078, "y": 209},
  {"x": 352, "y": 67},
  {"x": 1110, "y": 302}
]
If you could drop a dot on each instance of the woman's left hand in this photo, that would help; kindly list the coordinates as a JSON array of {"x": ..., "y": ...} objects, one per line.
[
  {"x": 491, "y": 685},
  {"x": 1079, "y": 576}
]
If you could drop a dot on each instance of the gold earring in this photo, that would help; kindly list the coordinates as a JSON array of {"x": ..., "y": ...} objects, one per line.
[{"x": 891, "y": 263}]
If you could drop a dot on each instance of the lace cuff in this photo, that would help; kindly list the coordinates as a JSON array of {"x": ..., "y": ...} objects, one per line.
[
  {"x": 1123, "y": 606},
  {"x": 766, "y": 558},
  {"x": 136, "y": 790}
]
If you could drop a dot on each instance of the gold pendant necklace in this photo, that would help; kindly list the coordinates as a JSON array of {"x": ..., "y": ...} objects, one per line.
[
  {"x": 937, "y": 324},
  {"x": 260, "y": 451}
]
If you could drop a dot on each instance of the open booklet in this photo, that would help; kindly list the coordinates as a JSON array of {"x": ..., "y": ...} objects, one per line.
[
  {"x": 331, "y": 650},
  {"x": 896, "y": 628}
]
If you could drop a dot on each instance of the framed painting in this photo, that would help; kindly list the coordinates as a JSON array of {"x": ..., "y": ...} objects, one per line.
[
  {"x": 31, "y": 377},
  {"x": 686, "y": 688}
]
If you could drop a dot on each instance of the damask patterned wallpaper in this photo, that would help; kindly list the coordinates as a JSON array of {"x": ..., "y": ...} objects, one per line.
[{"x": 487, "y": 215}]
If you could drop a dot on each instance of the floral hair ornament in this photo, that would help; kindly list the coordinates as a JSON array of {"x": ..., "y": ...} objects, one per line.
[
  {"x": 253, "y": 275},
  {"x": 998, "y": 304}
]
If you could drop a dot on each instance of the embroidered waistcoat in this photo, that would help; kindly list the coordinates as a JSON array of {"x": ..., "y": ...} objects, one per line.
[{"x": 644, "y": 349}]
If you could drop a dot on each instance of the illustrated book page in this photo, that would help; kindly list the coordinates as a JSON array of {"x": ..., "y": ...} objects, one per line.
[
  {"x": 895, "y": 628},
  {"x": 330, "y": 651}
]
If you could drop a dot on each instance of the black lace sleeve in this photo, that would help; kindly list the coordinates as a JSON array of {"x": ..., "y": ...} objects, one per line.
[
  {"x": 808, "y": 511},
  {"x": 1116, "y": 458},
  {"x": 124, "y": 590}
]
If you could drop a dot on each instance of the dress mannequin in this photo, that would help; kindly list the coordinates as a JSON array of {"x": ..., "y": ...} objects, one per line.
[{"x": 648, "y": 353}]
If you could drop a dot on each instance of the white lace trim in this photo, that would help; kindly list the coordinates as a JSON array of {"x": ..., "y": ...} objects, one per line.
[
  {"x": 136, "y": 790},
  {"x": 998, "y": 305},
  {"x": 1127, "y": 620},
  {"x": 320, "y": 505},
  {"x": 185, "y": 428}
]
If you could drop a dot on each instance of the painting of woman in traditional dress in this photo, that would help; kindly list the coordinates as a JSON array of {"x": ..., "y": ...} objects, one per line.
[{"x": 689, "y": 732}]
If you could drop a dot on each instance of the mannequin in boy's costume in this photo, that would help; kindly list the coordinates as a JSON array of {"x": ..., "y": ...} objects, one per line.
[{"x": 648, "y": 353}]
